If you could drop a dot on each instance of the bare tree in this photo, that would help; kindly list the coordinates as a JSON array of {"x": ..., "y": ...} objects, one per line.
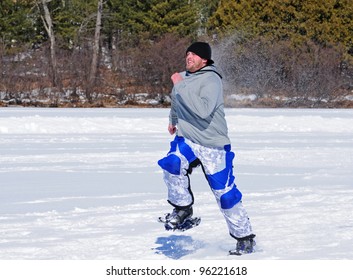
[
  {"x": 48, "y": 25},
  {"x": 95, "y": 54}
]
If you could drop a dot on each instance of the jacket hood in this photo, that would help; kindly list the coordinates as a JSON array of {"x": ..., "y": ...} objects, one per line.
[{"x": 207, "y": 68}]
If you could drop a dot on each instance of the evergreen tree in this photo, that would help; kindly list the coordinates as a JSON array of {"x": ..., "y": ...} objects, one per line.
[
  {"x": 123, "y": 21},
  {"x": 17, "y": 23},
  {"x": 324, "y": 22},
  {"x": 73, "y": 20},
  {"x": 205, "y": 9},
  {"x": 150, "y": 19},
  {"x": 173, "y": 16}
]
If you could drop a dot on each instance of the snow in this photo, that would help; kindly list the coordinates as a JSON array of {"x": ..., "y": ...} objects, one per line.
[{"x": 84, "y": 184}]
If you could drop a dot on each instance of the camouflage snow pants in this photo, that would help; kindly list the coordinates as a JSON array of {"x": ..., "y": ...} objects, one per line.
[{"x": 217, "y": 165}]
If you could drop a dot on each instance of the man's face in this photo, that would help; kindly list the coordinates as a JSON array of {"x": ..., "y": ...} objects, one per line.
[{"x": 194, "y": 62}]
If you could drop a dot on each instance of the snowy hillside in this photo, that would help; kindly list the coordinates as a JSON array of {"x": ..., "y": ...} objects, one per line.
[{"x": 84, "y": 184}]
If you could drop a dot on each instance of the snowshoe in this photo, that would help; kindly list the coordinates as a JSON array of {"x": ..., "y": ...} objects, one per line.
[
  {"x": 180, "y": 220},
  {"x": 187, "y": 224}
]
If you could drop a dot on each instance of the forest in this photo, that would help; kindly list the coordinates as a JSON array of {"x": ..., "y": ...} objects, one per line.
[{"x": 112, "y": 53}]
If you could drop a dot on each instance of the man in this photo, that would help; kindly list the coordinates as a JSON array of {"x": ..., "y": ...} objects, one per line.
[{"x": 197, "y": 117}]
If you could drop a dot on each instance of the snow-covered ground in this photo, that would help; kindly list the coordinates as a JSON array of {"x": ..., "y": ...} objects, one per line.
[{"x": 84, "y": 184}]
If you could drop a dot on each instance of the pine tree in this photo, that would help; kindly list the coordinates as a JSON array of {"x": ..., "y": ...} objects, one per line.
[
  {"x": 324, "y": 22},
  {"x": 174, "y": 16},
  {"x": 17, "y": 23}
]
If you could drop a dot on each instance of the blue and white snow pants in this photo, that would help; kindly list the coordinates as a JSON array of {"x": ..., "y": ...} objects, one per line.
[{"x": 217, "y": 165}]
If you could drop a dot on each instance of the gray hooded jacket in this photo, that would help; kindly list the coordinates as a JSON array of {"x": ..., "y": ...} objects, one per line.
[{"x": 198, "y": 109}]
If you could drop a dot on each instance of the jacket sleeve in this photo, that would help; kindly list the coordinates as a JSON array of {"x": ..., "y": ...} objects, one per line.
[{"x": 173, "y": 118}]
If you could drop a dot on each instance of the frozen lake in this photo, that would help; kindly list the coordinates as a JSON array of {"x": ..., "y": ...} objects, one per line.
[{"x": 84, "y": 184}]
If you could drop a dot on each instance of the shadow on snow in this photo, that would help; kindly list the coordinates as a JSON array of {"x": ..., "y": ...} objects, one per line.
[{"x": 177, "y": 246}]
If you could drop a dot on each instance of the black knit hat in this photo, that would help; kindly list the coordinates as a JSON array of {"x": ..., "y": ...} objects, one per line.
[{"x": 202, "y": 49}]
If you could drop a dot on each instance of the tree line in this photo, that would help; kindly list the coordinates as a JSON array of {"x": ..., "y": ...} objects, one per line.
[{"x": 102, "y": 52}]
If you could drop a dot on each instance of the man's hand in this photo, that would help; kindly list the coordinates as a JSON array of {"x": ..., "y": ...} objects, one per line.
[
  {"x": 171, "y": 129},
  {"x": 176, "y": 78}
]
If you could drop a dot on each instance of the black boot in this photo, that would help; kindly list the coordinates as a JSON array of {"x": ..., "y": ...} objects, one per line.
[
  {"x": 178, "y": 216},
  {"x": 245, "y": 245}
]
